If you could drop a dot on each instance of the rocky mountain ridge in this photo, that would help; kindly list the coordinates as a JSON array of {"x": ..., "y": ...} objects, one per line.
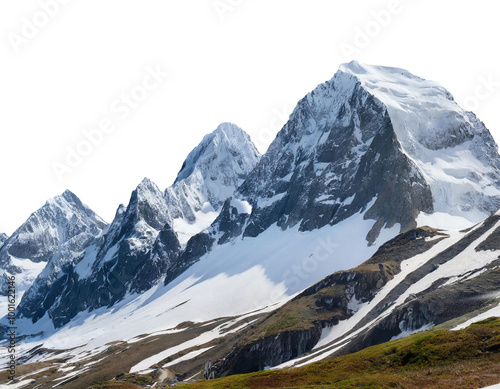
[
  {"x": 142, "y": 243},
  {"x": 58, "y": 232}
]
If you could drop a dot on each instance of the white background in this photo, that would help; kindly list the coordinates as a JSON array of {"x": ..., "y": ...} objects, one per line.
[{"x": 244, "y": 61}]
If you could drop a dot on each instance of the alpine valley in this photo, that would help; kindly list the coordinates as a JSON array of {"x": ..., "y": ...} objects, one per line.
[{"x": 373, "y": 215}]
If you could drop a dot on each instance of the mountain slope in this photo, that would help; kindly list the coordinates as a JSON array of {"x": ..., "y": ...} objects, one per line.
[
  {"x": 210, "y": 174},
  {"x": 370, "y": 304},
  {"x": 417, "y": 280},
  {"x": 62, "y": 228}
]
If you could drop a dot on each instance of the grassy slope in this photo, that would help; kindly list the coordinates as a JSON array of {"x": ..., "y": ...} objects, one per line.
[{"x": 469, "y": 358}]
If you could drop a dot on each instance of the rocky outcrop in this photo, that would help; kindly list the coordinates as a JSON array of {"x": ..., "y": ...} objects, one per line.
[
  {"x": 268, "y": 351},
  {"x": 3, "y": 238}
]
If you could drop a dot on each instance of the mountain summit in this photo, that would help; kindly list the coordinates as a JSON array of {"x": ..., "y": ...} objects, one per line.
[
  {"x": 63, "y": 227},
  {"x": 210, "y": 174},
  {"x": 452, "y": 149},
  {"x": 3, "y": 238}
]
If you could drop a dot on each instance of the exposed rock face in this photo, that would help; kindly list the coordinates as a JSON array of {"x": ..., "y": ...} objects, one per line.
[
  {"x": 57, "y": 232},
  {"x": 269, "y": 351},
  {"x": 3, "y": 238}
]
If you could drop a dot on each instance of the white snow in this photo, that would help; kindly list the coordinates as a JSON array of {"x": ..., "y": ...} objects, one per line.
[
  {"x": 187, "y": 357},
  {"x": 200, "y": 340},
  {"x": 493, "y": 312},
  {"x": 20, "y": 384},
  {"x": 209, "y": 176},
  {"x": 241, "y": 206},
  {"x": 84, "y": 267},
  {"x": 443, "y": 221},
  {"x": 349, "y": 200},
  {"x": 405, "y": 332},
  {"x": 447, "y": 144},
  {"x": 186, "y": 230},
  {"x": 267, "y": 202},
  {"x": 29, "y": 271}
]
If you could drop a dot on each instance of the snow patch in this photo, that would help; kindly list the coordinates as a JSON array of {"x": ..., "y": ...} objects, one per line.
[{"x": 241, "y": 206}]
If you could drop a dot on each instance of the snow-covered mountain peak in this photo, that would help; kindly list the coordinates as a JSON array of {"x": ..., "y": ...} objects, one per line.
[
  {"x": 147, "y": 204},
  {"x": 422, "y": 111},
  {"x": 146, "y": 185},
  {"x": 58, "y": 220},
  {"x": 59, "y": 231},
  {"x": 451, "y": 147},
  {"x": 213, "y": 150},
  {"x": 3, "y": 238},
  {"x": 377, "y": 140},
  {"x": 378, "y": 72},
  {"x": 69, "y": 196},
  {"x": 148, "y": 191},
  {"x": 210, "y": 174}
]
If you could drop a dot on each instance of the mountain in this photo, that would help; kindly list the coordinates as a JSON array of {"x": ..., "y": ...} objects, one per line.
[
  {"x": 452, "y": 149},
  {"x": 3, "y": 238},
  {"x": 59, "y": 232},
  {"x": 142, "y": 243},
  {"x": 121, "y": 260},
  {"x": 210, "y": 174},
  {"x": 421, "y": 279},
  {"x": 375, "y": 133},
  {"x": 372, "y": 140},
  {"x": 364, "y": 160}
]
